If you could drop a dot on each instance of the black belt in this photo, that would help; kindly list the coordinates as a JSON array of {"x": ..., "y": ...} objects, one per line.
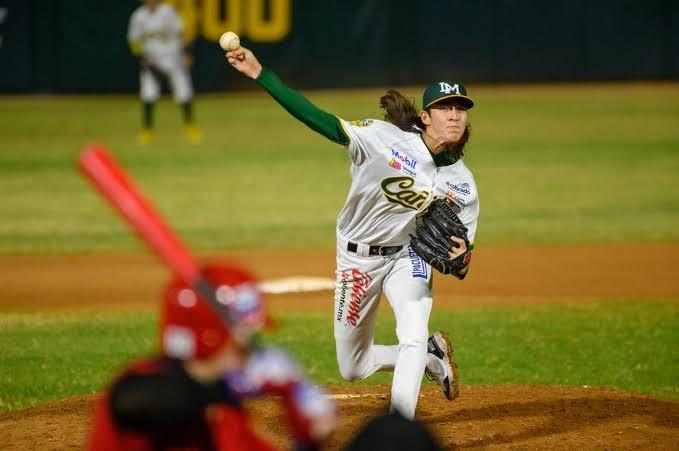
[{"x": 375, "y": 250}]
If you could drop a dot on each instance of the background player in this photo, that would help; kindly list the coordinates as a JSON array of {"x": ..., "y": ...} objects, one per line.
[
  {"x": 155, "y": 36},
  {"x": 397, "y": 167},
  {"x": 190, "y": 396}
]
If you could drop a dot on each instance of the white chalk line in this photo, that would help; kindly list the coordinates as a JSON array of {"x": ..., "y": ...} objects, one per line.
[
  {"x": 356, "y": 395},
  {"x": 297, "y": 284}
]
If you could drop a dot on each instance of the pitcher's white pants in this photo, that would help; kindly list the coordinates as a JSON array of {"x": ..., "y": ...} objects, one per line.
[{"x": 406, "y": 281}]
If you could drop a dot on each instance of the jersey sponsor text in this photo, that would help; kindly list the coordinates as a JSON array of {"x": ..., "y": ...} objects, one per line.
[
  {"x": 361, "y": 282},
  {"x": 405, "y": 159},
  {"x": 396, "y": 190},
  {"x": 343, "y": 296},
  {"x": 394, "y": 163},
  {"x": 418, "y": 265},
  {"x": 462, "y": 188}
]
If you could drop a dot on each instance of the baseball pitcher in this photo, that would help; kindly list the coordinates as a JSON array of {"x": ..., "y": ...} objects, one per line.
[{"x": 412, "y": 205}]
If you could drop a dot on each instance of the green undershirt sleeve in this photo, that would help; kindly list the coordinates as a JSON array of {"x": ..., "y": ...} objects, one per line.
[{"x": 296, "y": 104}]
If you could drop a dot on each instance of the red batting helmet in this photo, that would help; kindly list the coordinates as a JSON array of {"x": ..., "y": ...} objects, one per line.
[{"x": 190, "y": 329}]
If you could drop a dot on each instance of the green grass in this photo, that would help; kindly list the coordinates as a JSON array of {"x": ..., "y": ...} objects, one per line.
[
  {"x": 628, "y": 345},
  {"x": 50, "y": 356},
  {"x": 562, "y": 164},
  {"x": 554, "y": 164}
]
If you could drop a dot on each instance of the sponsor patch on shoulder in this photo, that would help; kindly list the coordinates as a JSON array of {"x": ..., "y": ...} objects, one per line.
[{"x": 363, "y": 123}]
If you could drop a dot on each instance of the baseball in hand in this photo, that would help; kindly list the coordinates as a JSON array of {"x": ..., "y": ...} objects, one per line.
[{"x": 229, "y": 41}]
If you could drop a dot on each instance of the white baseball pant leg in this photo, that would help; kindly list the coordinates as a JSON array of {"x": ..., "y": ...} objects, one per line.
[
  {"x": 358, "y": 287},
  {"x": 407, "y": 283},
  {"x": 408, "y": 289},
  {"x": 180, "y": 83},
  {"x": 178, "y": 76},
  {"x": 149, "y": 86}
]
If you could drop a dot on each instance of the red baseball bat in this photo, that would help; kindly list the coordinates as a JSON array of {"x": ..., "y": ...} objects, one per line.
[{"x": 117, "y": 187}]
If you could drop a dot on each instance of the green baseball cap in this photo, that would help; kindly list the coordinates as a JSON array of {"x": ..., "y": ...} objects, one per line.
[{"x": 442, "y": 90}]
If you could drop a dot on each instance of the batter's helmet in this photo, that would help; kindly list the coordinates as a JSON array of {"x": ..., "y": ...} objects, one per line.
[{"x": 190, "y": 329}]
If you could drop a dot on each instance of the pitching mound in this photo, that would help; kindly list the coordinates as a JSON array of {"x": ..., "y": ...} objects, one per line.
[{"x": 488, "y": 416}]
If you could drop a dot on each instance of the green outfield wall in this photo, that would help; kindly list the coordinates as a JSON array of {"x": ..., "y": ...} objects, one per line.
[{"x": 79, "y": 45}]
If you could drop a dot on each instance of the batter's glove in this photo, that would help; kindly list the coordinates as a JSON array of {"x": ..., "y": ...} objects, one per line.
[{"x": 432, "y": 238}]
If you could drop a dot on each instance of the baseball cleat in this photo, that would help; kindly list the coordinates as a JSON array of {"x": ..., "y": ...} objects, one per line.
[
  {"x": 193, "y": 134},
  {"x": 439, "y": 345},
  {"x": 145, "y": 136}
]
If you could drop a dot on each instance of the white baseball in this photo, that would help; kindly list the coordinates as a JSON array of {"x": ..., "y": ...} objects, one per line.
[{"x": 229, "y": 41}]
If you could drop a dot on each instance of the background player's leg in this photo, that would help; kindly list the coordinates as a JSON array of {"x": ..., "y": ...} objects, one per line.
[
  {"x": 180, "y": 81},
  {"x": 147, "y": 115},
  {"x": 409, "y": 295},
  {"x": 149, "y": 92},
  {"x": 357, "y": 294},
  {"x": 187, "y": 112}
]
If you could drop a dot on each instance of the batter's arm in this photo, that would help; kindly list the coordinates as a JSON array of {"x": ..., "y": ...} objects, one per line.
[{"x": 328, "y": 125}]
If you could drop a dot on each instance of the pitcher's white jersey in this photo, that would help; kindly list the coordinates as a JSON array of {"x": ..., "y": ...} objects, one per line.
[
  {"x": 394, "y": 177},
  {"x": 160, "y": 31}
]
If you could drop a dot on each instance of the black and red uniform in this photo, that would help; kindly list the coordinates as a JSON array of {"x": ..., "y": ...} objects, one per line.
[{"x": 156, "y": 405}]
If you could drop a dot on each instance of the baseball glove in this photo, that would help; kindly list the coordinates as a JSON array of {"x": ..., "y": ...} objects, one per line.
[{"x": 432, "y": 238}]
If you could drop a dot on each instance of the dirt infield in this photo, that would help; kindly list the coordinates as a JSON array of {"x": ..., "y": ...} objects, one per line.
[
  {"x": 513, "y": 416},
  {"x": 499, "y": 276}
]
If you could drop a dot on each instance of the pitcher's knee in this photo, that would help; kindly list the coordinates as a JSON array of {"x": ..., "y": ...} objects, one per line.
[
  {"x": 350, "y": 371},
  {"x": 353, "y": 359}
]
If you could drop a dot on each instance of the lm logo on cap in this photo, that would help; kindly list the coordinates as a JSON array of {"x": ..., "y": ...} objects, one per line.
[{"x": 447, "y": 89}]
